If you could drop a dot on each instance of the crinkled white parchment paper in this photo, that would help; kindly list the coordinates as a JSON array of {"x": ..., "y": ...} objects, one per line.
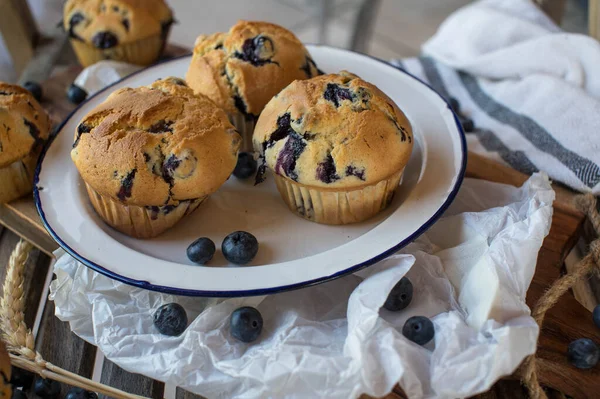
[{"x": 470, "y": 272}]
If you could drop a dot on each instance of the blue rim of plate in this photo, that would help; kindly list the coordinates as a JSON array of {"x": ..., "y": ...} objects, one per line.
[{"x": 263, "y": 291}]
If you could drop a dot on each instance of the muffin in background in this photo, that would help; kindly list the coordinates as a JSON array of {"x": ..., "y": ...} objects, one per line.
[
  {"x": 150, "y": 155},
  {"x": 337, "y": 146},
  {"x": 241, "y": 70},
  {"x": 24, "y": 128},
  {"x": 133, "y": 31}
]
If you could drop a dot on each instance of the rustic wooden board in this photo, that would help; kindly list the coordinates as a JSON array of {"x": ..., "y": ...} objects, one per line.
[{"x": 137, "y": 384}]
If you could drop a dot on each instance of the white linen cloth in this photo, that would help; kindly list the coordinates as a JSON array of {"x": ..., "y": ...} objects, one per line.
[
  {"x": 470, "y": 273},
  {"x": 532, "y": 90}
]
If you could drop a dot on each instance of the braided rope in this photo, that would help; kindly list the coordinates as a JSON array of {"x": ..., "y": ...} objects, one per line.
[{"x": 590, "y": 263}]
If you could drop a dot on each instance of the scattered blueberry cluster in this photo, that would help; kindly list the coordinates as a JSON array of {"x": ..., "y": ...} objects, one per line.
[
  {"x": 239, "y": 247},
  {"x": 22, "y": 380},
  {"x": 418, "y": 329}
]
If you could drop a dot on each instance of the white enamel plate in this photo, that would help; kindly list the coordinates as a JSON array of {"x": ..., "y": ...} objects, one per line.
[{"x": 293, "y": 252}]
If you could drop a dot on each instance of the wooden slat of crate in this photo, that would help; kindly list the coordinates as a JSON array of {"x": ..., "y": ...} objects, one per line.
[{"x": 137, "y": 384}]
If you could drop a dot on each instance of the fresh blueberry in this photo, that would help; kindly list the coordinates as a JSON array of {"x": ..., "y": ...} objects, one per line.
[
  {"x": 245, "y": 167},
  {"x": 246, "y": 324},
  {"x": 105, "y": 40},
  {"x": 596, "y": 316},
  {"x": 76, "y": 94},
  {"x": 400, "y": 296},
  {"x": 326, "y": 170},
  {"x": 583, "y": 353},
  {"x": 419, "y": 330},
  {"x": 46, "y": 389},
  {"x": 80, "y": 393},
  {"x": 239, "y": 247},
  {"x": 201, "y": 251},
  {"x": 171, "y": 319},
  {"x": 21, "y": 378},
  {"x": 467, "y": 124},
  {"x": 18, "y": 394},
  {"x": 454, "y": 104},
  {"x": 35, "y": 89}
]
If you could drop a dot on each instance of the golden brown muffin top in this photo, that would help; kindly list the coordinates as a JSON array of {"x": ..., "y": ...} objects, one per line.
[
  {"x": 109, "y": 23},
  {"x": 155, "y": 145},
  {"x": 24, "y": 124},
  {"x": 334, "y": 131},
  {"x": 241, "y": 70}
]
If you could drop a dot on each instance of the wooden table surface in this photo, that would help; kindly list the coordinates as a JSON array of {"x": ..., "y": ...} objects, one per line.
[{"x": 566, "y": 321}]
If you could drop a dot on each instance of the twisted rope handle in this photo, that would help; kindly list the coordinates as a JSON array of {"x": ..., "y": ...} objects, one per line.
[{"x": 590, "y": 263}]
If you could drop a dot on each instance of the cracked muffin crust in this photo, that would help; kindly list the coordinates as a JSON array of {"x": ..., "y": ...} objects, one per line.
[
  {"x": 24, "y": 128},
  {"x": 160, "y": 149},
  {"x": 241, "y": 70},
  {"x": 334, "y": 134},
  {"x": 134, "y": 31}
]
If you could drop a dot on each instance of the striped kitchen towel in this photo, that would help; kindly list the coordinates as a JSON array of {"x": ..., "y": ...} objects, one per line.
[{"x": 532, "y": 91}]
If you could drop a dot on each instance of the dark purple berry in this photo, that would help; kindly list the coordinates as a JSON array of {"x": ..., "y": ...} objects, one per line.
[
  {"x": 76, "y": 94},
  {"x": 105, "y": 40},
  {"x": 125, "y": 23},
  {"x": 467, "y": 124},
  {"x": 400, "y": 296},
  {"x": 239, "y": 247},
  {"x": 35, "y": 89},
  {"x": 21, "y": 378},
  {"x": 171, "y": 319},
  {"x": 596, "y": 316},
  {"x": 583, "y": 353},
  {"x": 336, "y": 94},
  {"x": 75, "y": 20},
  {"x": 246, "y": 324},
  {"x": 126, "y": 185},
  {"x": 46, "y": 389},
  {"x": 161, "y": 126},
  {"x": 419, "y": 330},
  {"x": 326, "y": 170},
  {"x": 257, "y": 51},
  {"x": 18, "y": 394},
  {"x": 201, "y": 251},
  {"x": 352, "y": 171},
  {"x": 245, "y": 167},
  {"x": 80, "y": 393}
]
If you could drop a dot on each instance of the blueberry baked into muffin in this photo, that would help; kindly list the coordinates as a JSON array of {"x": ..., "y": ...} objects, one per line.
[
  {"x": 241, "y": 70},
  {"x": 133, "y": 31},
  {"x": 24, "y": 128},
  {"x": 337, "y": 146},
  {"x": 151, "y": 155}
]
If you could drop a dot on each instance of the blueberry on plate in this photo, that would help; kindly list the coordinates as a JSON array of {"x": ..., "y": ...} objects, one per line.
[
  {"x": 201, "y": 251},
  {"x": 46, "y": 389},
  {"x": 240, "y": 247},
  {"x": 35, "y": 89},
  {"x": 76, "y": 94},
  {"x": 20, "y": 378},
  {"x": 419, "y": 330},
  {"x": 400, "y": 296},
  {"x": 583, "y": 353},
  {"x": 246, "y": 166},
  {"x": 171, "y": 319},
  {"x": 246, "y": 324},
  {"x": 18, "y": 394},
  {"x": 80, "y": 393},
  {"x": 596, "y": 316}
]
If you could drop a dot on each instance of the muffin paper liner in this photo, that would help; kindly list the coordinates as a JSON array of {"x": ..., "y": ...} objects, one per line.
[
  {"x": 140, "y": 52},
  {"x": 246, "y": 128},
  {"x": 140, "y": 221},
  {"x": 16, "y": 179},
  {"x": 327, "y": 206}
]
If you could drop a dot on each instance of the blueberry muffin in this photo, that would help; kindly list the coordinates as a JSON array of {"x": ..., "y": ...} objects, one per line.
[
  {"x": 151, "y": 155},
  {"x": 24, "y": 128},
  {"x": 133, "y": 31},
  {"x": 337, "y": 145},
  {"x": 241, "y": 70}
]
